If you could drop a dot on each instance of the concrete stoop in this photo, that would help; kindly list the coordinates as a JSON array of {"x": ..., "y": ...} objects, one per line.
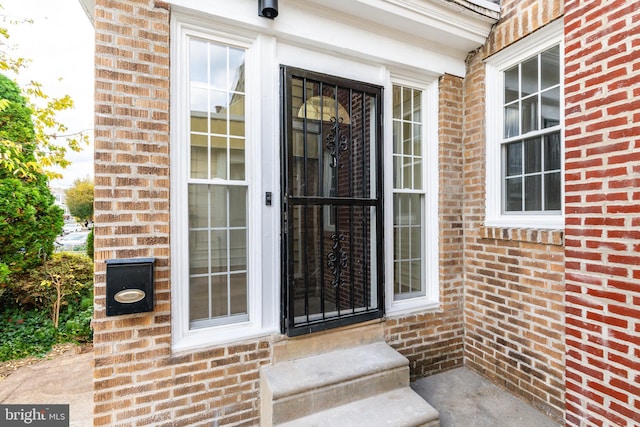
[{"x": 364, "y": 384}]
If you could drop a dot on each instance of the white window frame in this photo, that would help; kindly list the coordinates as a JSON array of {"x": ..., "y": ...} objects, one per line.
[
  {"x": 262, "y": 300},
  {"x": 431, "y": 298},
  {"x": 495, "y": 66}
]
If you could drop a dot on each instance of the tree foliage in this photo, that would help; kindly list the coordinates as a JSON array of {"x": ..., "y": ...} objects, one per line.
[
  {"x": 29, "y": 219},
  {"x": 79, "y": 199},
  {"x": 51, "y": 138}
]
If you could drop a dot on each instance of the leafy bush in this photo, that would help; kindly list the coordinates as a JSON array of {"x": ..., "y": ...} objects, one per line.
[
  {"x": 64, "y": 279},
  {"x": 32, "y": 333},
  {"x": 25, "y": 334},
  {"x": 27, "y": 320},
  {"x": 90, "y": 244}
]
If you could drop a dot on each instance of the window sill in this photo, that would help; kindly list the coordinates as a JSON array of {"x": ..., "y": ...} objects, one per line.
[
  {"x": 211, "y": 337},
  {"x": 411, "y": 306},
  {"x": 529, "y": 235}
]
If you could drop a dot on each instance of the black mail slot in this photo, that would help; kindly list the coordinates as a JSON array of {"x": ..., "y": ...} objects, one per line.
[{"x": 129, "y": 286}]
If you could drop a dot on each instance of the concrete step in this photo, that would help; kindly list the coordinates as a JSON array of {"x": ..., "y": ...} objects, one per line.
[
  {"x": 296, "y": 388},
  {"x": 397, "y": 408}
]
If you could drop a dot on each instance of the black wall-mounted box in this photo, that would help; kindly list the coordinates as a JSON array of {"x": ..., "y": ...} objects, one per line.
[{"x": 129, "y": 285}]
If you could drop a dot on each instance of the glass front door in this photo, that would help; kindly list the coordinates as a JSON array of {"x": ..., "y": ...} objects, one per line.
[{"x": 332, "y": 204}]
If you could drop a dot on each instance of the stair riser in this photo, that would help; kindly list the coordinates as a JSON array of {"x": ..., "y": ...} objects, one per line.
[{"x": 318, "y": 399}]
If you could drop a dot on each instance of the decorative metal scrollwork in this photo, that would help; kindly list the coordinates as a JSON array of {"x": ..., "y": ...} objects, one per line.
[
  {"x": 336, "y": 142},
  {"x": 337, "y": 260}
]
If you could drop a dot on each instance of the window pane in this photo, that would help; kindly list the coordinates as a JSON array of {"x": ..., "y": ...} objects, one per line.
[
  {"x": 238, "y": 293},
  {"x": 511, "y": 90},
  {"x": 199, "y": 298},
  {"x": 407, "y": 172},
  {"x": 219, "y": 296},
  {"x": 198, "y": 206},
  {"x": 552, "y": 191},
  {"x": 550, "y": 67},
  {"x": 199, "y": 252},
  {"x": 513, "y": 197},
  {"x": 406, "y": 139},
  {"x": 416, "y": 106},
  {"x": 218, "y": 66},
  {"x": 236, "y": 116},
  {"x": 236, "y": 70},
  {"x": 237, "y": 206},
  {"x": 218, "y": 206},
  {"x": 552, "y": 152},
  {"x": 199, "y": 100},
  {"x": 532, "y": 155},
  {"x": 511, "y": 120},
  {"x": 238, "y": 249},
  {"x": 529, "y": 70},
  {"x": 397, "y": 172},
  {"x": 530, "y": 114},
  {"x": 219, "y": 251},
  {"x": 417, "y": 140},
  {"x": 397, "y": 137},
  {"x": 550, "y": 107},
  {"x": 417, "y": 174},
  {"x": 199, "y": 159},
  {"x": 407, "y": 108},
  {"x": 397, "y": 102},
  {"x": 218, "y": 157},
  {"x": 218, "y": 108},
  {"x": 513, "y": 159},
  {"x": 197, "y": 61},
  {"x": 533, "y": 193},
  {"x": 237, "y": 160},
  {"x": 408, "y": 244}
]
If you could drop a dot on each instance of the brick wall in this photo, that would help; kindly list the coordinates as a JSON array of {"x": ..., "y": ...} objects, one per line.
[
  {"x": 602, "y": 90},
  {"x": 434, "y": 341},
  {"x": 137, "y": 379},
  {"x": 514, "y": 313}
]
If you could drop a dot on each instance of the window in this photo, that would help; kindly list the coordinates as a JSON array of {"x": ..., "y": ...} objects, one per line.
[
  {"x": 413, "y": 211},
  {"x": 524, "y": 133},
  {"x": 218, "y": 290},
  {"x": 408, "y": 193},
  {"x": 217, "y": 185}
]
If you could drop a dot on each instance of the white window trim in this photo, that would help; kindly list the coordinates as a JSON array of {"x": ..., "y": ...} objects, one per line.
[
  {"x": 262, "y": 300},
  {"x": 431, "y": 299},
  {"x": 495, "y": 65}
]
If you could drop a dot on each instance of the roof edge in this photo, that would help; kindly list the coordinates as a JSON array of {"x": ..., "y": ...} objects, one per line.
[
  {"x": 487, "y": 8},
  {"x": 89, "y": 7}
]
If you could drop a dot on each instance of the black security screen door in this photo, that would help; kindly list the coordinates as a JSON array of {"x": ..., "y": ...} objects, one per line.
[{"x": 332, "y": 204}]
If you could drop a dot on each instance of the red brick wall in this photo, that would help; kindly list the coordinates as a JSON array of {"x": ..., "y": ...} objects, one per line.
[
  {"x": 514, "y": 290},
  {"x": 602, "y": 240}
]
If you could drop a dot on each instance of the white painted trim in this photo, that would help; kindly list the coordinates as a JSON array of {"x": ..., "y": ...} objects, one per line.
[{"x": 533, "y": 44}]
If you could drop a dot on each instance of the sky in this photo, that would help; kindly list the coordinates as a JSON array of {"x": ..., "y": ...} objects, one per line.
[{"x": 60, "y": 45}]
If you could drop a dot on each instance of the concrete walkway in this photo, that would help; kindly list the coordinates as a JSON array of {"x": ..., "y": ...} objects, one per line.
[
  {"x": 66, "y": 379},
  {"x": 463, "y": 398}
]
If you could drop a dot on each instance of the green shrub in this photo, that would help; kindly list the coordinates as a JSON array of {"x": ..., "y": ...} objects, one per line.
[
  {"x": 90, "y": 244},
  {"x": 30, "y": 219},
  {"x": 25, "y": 334},
  {"x": 27, "y": 318},
  {"x": 64, "y": 279}
]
